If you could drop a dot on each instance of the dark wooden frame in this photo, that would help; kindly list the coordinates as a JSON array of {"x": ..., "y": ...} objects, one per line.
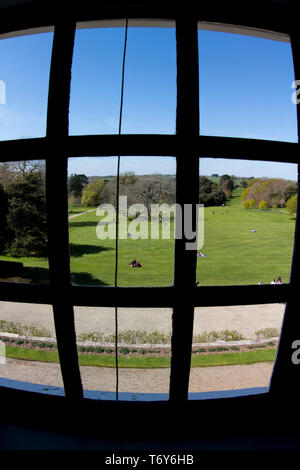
[{"x": 186, "y": 146}]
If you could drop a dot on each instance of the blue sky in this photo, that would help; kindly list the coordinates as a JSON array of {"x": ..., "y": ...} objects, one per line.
[{"x": 245, "y": 91}]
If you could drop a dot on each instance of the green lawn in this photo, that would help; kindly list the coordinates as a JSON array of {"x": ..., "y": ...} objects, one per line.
[
  {"x": 145, "y": 362},
  {"x": 235, "y": 254}
]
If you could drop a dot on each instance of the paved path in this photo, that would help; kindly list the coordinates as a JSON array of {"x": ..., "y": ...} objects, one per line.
[
  {"x": 202, "y": 379},
  {"x": 81, "y": 213},
  {"x": 247, "y": 318}
]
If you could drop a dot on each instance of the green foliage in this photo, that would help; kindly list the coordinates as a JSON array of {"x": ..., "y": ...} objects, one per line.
[
  {"x": 291, "y": 205},
  {"x": 91, "y": 195},
  {"x": 24, "y": 330},
  {"x": 245, "y": 204},
  {"x": 222, "y": 335},
  {"x": 267, "y": 333},
  {"x": 27, "y": 216},
  {"x": 76, "y": 184},
  {"x": 290, "y": 191},
  {"x": 270, "y": 190},
  {"x": 249, "y": 204},
  {"x": 263, "y": 205},
  {"x": 4, "y": 235},
  {"x": 210, "y": 194},
  {"x": 128, "y": 178}
]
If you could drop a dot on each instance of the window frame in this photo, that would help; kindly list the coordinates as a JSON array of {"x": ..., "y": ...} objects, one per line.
[{"x": 58, "y": 146}]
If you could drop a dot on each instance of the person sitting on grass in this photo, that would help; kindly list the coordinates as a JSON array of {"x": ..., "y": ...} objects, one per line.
[{"x": 136, "y": 264}]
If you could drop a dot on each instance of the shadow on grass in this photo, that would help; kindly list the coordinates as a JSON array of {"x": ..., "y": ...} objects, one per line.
[
  {"x": 36, "y": 274},
  {"x": 86, "y": 279},
  {"x": 75, "y": 224},
  {"x": 77, "y": 250}
]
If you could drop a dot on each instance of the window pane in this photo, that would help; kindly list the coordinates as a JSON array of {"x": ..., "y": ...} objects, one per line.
[
  {"x": 24, "y": 80},
  {"x": 143, "y": 350},
  {"x": 146, "y": 234},
  {"x": 23, "y": 222},
  {"x": 149, "y": 104},
  {"x": 234, "y": 347},
  {"x": 249, "y": 221},
  {"x": 27, "y": 337},
  {"x": 246, "y": 87}
]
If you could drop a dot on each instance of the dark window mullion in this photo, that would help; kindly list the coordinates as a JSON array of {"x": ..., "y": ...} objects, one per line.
[
  {"x": 286, "y": 378},
  {"x": 187, "y": 178},
  {"x": 57, "y": 207}
]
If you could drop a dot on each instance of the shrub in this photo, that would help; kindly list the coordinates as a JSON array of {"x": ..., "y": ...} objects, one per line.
[
  {"x": 24, "y": 330},
  {"x": 222, "y": 335},
  {"x": 123, "y": 350},
  {"x": 267, "y": 333},
  {"x": 245, "y": 204},
  {"x": 291, "y": 205},
  {"x": 263, "y": 205}
]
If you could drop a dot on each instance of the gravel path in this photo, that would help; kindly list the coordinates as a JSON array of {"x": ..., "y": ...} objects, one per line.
[
  {"x": 142, "y": 380},
  {"x": 246, "y": 319}
]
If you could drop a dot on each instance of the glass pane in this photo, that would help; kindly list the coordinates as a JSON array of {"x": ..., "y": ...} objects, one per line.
[
  {"x": 24, "y": 80},
  {"x": 143, "y": 350},
  {"x": 23, "y": 222},
  {"x": 234, "y": 347},
  {"x": 249, "y": 221},
  {"x": 146, "y": 220},
  {"x": 149, "y": 104},
  {"x": 246, "y": 87},
  {"x": 27, "y": 336}
]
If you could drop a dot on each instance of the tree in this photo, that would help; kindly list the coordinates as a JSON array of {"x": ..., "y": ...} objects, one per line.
[
  {"x": 76, "y": 184},
  {"x": 270, "y": 190},
  {"x": 263, "y": 205},
  {"x": 210, "y": 194},
  {"x": 3, "y": 219},
  {"x": 26, "y": 216},
  {"x": 291, "y": 205},
  {"x": 227, "y": 182},
  {"x": 245, "y": 204},
  {"x": 150, "y": 190},
  {"x": 127, "y": 178},
  {"x": 290, "y": 191},
  {"x": 92, "y": 193}
]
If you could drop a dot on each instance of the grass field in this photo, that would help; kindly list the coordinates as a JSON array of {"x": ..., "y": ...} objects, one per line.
[
  {"x": 235, "y": 254},
  {"x": 144, "y": 362}
]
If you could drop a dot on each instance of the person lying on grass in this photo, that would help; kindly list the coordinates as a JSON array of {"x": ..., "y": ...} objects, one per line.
[{"x": 136, "y": 264}]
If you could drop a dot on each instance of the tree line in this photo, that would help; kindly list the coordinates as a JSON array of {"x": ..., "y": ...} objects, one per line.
[
  {"x": 144, "y": 189},
  {"x": 23, "y": 219},
  {"x": 265, "y": 193}
]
